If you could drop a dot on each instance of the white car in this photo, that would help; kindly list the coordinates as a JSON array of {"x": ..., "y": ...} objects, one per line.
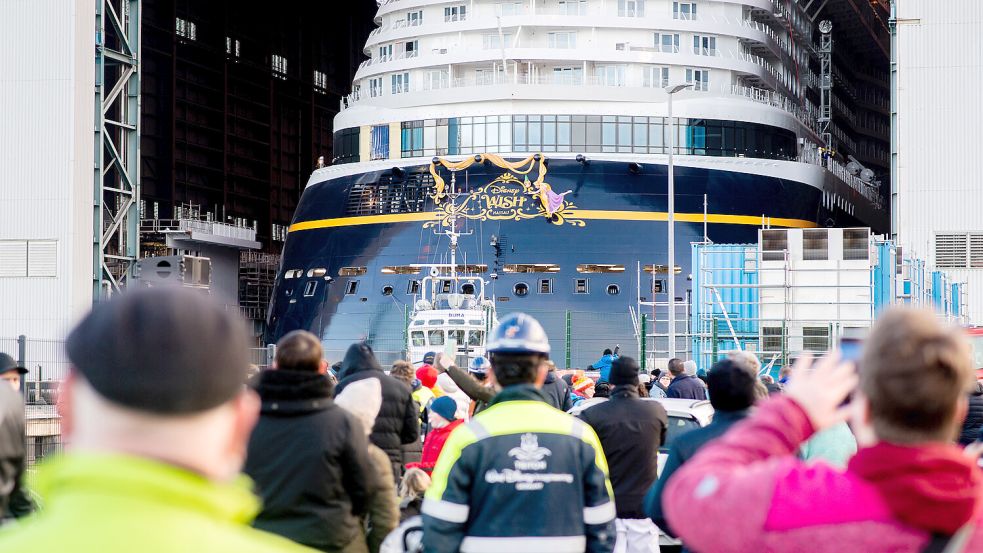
[{"x": 684, "y": 415}]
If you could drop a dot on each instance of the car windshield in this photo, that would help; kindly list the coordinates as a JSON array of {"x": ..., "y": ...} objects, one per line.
[
  {"x": 677, "y": 425},
  {"x": 977, "y": 342}
]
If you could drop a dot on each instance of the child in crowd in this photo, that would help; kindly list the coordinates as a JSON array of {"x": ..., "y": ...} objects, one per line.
[{"x": 443, "y": 421}]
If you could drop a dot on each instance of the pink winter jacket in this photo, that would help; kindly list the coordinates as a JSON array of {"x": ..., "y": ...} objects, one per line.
[{"x": 747, "y": 492}]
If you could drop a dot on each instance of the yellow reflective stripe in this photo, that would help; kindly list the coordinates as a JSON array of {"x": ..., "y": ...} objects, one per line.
[
  {"x": 523, "y": 416},
  {"x": 591, "y": 214},
  {"x": 461, "y": 437}
]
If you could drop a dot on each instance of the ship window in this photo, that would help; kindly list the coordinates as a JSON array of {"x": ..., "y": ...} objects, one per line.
[
  {"x": 456, "y": 336},
  {"x": 477, "y": 322},
  {"x": 581, "y": 286},
  {"x": 387, "y": 290},
  {"x": 658, "y": 286},
  {"x": 531, "y": 268},
  {"x": 455, "y": 13},
  {"x": 456, "y": 321},
  {"x": 445, "y": 286},
  {"x": 352, "y": 271},
  {"x": 400, "y": 270},
  {"x": 467, "y": 288},
  {"x": 699, "y": 78},
  {"x": 310, "y": 288},
  {"x": 418, "y": 338},
  {"x": 562, "y": 39},
  {"x": 600, "y": 268},
  {"x": 546, "y": 286},
  {"x": 631, "y": 8},
  {"x": 520, "y": 289},
  {"x": 351, "y": 288},
  {"x": 660, "y": 269},
  {"x": 346, "y": 146},
  {"x": 419, "y": 323},
  {"x": 667, "y": 43},
  {"x": 319, "y": 272},
  {"x": 294, "y": 273},
  {"x": 475, "y": 337},
  {"x": 413, "y": 287},
  {"x": 435, "y": 322},
  {"x": 436, "y": 337},
  {"x": 613, "y": 290},
  {"x": 684, "y": 10}
]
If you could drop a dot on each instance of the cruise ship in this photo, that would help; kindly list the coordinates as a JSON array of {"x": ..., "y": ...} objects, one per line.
[{"x": 540, "y": 130}]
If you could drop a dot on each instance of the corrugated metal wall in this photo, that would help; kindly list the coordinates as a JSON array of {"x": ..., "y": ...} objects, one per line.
[
  {"x": 940, "y": 128},
  {"x": 46, "y": 156}
]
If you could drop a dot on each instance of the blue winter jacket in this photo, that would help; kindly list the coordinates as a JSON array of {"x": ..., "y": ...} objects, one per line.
[{"x": 604, "y": 365}]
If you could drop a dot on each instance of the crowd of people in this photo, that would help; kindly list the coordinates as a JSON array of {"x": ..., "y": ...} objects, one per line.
[{"x": 171, "y": 445}]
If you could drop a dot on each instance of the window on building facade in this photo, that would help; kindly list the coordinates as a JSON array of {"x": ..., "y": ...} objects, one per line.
[
  {"x": 455, "y": 13},
  {"x": 610, "y": 75},
  {"x": 699, "y": 78},
  {"x": 232, "y": 46},
  {"x": 568, "y": 75},
  {"x": 401, "y": 83},
  {"x": 667, "y": 43},
  {"x": 414, "y": 18},
  {"x": 631, "y": 8},
  {"x": 320, "y": 81},
  {"x": 186, "y": 29},
  {"x": 279, "y": 65},
  {"x": 655, "y": 76},
  {"x": 562, "y": 39},
  {"x": 684, "y": 10},
  {"x": 573, "y": 7},
  {"x": 704, "y": 45}
]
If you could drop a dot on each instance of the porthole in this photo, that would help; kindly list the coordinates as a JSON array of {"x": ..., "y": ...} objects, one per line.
[
  {"x": 613, "y": 290},
  {"x": 467, "y": 288},
  {"x": 387, "y": 290},
  {"x": 520, "y": 289}
]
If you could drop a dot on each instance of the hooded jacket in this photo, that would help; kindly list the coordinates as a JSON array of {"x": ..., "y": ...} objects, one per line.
[
  {"x": 557, "y": 392},
  {"x": 309, "y": 459},
  {"x": 889, "y": 498},
  {"x": 12, "y": 445},
  {"x": 974, "y": 417},
  {"x": 363, "y": 399},
  {"x": 119, "y": 504},
  {"x": 604, "y": 366},
  {"x": 398, "y": 421},
  {"x": 452, "y": 390},
  {"x": 631, "y": 431}
]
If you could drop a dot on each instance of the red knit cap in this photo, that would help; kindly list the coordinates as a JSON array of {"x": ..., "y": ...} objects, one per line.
[{"x": 427, "y": 376}]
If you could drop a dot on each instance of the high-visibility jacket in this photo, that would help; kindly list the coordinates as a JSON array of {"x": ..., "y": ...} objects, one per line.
[{"x": 520, "y": 477}]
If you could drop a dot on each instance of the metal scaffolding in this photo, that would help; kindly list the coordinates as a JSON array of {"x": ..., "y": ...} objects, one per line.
[{"x": 116, "y": 241}]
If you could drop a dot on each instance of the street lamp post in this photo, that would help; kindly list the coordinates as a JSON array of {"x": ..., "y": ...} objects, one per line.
[{"x": 671, "y": 90}]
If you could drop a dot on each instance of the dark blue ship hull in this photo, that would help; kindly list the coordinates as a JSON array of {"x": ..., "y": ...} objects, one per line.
[{"x": 612, "y": 216}]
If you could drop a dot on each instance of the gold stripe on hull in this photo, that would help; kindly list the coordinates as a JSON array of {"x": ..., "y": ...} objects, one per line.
[{"x": 591, "y": 214}]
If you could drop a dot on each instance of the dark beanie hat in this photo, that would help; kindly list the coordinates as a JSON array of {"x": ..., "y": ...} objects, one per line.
[
  {"x": 166, "y": 350},
  {"x": 445, "y": 407},
  {"x": 624, "y": 370},
  {"x": 731, "y": 385}
]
